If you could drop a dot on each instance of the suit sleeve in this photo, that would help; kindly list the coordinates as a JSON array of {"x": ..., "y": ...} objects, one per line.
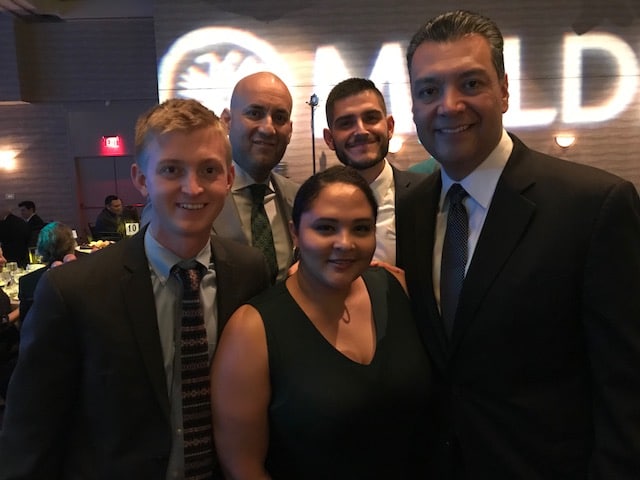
[
  {"x": 43, "y": 390},
  {"x": 611, "y": 315}
]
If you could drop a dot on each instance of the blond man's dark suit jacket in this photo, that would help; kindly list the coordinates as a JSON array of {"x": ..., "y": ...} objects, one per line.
[
  {"x": 88, "y": 399},
  {"x": 229, "y": 225},
  {"x": 541, "y": 379}
]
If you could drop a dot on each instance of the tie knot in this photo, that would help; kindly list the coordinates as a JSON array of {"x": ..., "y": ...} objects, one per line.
[
  {"x": 189, "y": 277},
  {"x": 456, "y": 194},
  {"x": 258, "y": 191}
]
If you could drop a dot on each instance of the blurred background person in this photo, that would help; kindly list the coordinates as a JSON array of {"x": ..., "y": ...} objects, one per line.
[
  {"x": 14, "y": 237},
  {"x": 9, "y": 339},
  {"x": 324, "y": 375},
  {"x": 29, "y": 215},
  {"x": 56, "y": 246},
  {"x": 110, "y": 223}
]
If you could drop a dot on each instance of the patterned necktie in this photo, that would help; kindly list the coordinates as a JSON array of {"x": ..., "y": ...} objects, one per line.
[
  {"x": 454, "y": 256},
  {"x": 196, "y": 400},
  {"x": 261, "y": 228}
]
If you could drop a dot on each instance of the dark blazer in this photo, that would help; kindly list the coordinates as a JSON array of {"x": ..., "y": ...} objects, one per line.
[
  {"x": 404, "y": 182},
  {"x": 88, "y": 398},
  {"x": 35, "y": 225},
  {"x": 541, "y": 378},
  {"x": 14, "y": 237},
  {"x": 229, "y": 225}
]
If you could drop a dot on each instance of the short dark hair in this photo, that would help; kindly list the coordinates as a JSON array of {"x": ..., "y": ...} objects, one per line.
[
  {"x": 312, "y": 187},
  {"x": 110, "y": 198},
  {"x": 455, "y": 25},
  {"x": 28, "y": 204},
  {"x": 347, "y": 88}
]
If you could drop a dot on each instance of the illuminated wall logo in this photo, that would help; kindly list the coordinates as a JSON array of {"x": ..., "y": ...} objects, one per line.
[{"x": 205, "y": 64}]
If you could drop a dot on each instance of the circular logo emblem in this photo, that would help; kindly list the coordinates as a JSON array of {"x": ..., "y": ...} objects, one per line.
[{"x": 205, "y": 65}]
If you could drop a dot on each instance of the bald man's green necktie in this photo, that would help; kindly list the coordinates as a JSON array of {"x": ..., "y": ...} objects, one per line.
[{"x": 261, "y": 235}]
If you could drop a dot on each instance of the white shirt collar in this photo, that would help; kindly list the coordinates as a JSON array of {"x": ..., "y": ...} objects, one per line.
[
  {"x": 243, "y": 180},
  {"x": 383, "y": 181},
  {"x": 481, "y": 183},
  {"x": 162, "y": 260}
]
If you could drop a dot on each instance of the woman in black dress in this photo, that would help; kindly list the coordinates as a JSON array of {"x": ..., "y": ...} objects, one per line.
[{"x": 323, "y": 375}]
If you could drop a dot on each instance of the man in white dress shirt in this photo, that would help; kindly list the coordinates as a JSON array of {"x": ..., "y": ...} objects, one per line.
[{"x": 359, "y": 131}]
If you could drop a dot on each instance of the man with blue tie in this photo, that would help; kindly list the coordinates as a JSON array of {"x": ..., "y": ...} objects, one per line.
[{"x": 523, "y": 271}]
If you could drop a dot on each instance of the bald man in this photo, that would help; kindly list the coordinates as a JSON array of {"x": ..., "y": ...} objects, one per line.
[{"x": 259, "y": 123}]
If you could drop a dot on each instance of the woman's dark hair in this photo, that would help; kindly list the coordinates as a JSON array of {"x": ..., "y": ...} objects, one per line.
[
  {"x": 312, "y": 187},
  {"x": 54, "y": 242}
]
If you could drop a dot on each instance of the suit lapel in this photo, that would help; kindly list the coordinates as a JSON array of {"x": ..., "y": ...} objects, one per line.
[
  {"x": 416, "y": 220},
  {"x": 508, "y": 217},
  {"x": 285, "y": 205},
  {"x": 228, "y": 224},
  {"x": 227, "y": 295},
  {"x": 139, "y": 301}
]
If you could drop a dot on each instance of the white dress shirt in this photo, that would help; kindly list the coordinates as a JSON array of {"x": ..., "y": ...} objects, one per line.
[
  {"x": 480, "y": 185},
  {"x": 385, "y": 193}
]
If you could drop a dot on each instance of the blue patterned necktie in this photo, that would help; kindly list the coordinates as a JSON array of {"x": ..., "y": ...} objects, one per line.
[
  {"x": 454, "y": 256},
  {"x": 196, "y": 399},
  {"x": 261, "y": 235}
]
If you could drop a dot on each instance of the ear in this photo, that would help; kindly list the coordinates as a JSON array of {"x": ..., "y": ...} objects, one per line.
[
  {"x": 231, "y": 175},
  {"x": 328, "y": 138},
  {"x": 225, "y": 118},
  {"x": 391, "y": 123},
  {"x": 294, "y": 233},
  {"x": 139, "y": 179},
  {"x": 504, "y": 89},
  {"x": 290, "y": 131}
]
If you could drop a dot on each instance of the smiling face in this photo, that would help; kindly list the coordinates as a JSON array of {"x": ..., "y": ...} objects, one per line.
[
  {"x": 359, "y": 132},
  {"x": 259, "y": 123},
  {"x": 336, "y": 237},
  {"x": 186, "y": 178},
  {"x": 458, "y": 102}
]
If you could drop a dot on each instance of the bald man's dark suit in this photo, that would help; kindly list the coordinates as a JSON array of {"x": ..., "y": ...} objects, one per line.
[
  {"x": 88, "y": 398},
  {"x": 541, "y": 379}
]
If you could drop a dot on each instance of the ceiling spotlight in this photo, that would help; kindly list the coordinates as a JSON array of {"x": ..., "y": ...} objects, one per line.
[{"x": 565, "y": 140}]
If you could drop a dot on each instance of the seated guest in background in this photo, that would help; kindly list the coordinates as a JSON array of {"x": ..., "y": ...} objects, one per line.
[
  {"x": 359, "y": 131},
  {"x": 56, "y": 246},
  {"x": 111, "y": 340},
  {"x": 29, "y": 215},
  {"x": 14, "y": 237},
  {"x": 324, "y": 375},
  {"x": 9, "y": 337},
  {"x": 110, "y": 223}
]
